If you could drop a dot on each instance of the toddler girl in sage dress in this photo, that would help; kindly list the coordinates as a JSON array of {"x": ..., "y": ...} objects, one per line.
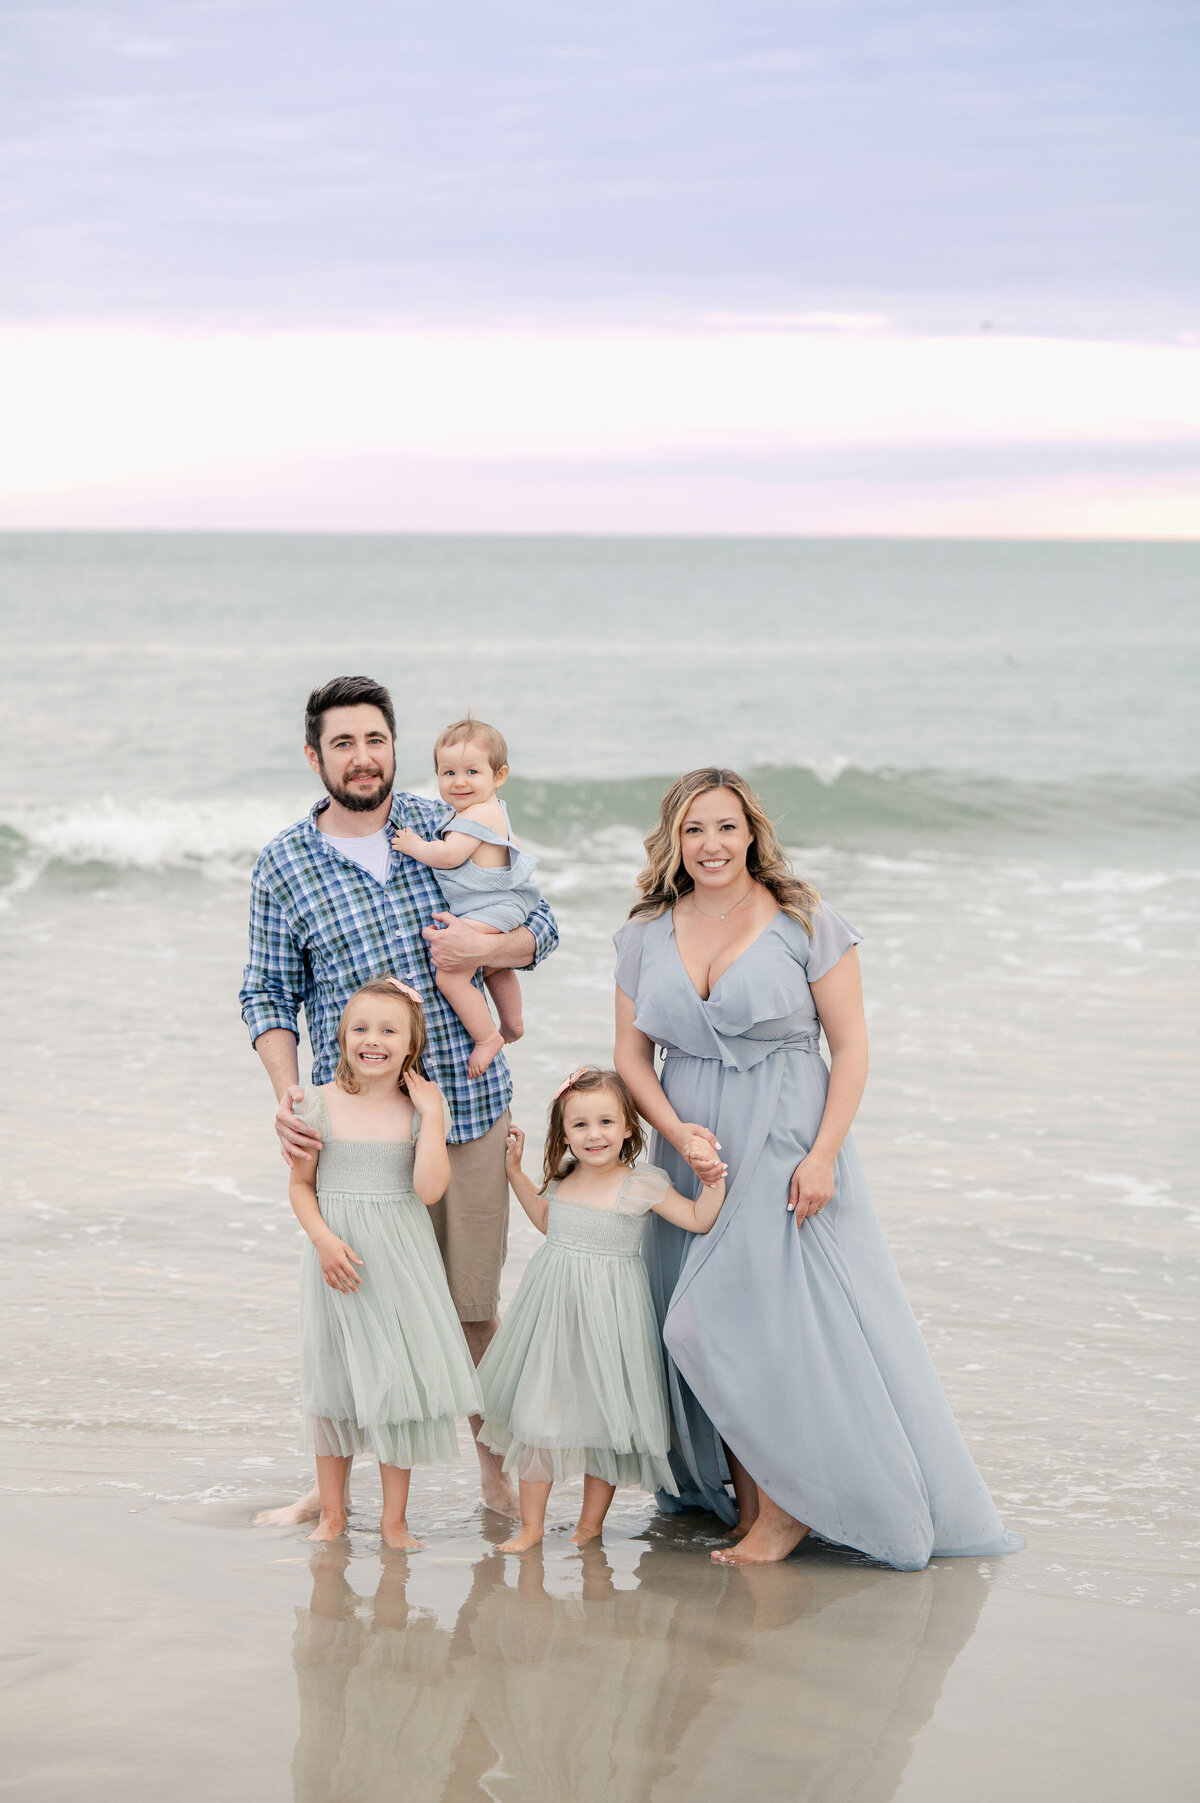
[
  {"x": 384, "y": 1366},
  {"x": 573, "y": 1383}
]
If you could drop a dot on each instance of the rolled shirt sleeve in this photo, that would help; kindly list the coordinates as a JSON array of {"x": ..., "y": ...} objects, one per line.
[
  {"x": 273, "y": 986},
  {"x": 542, "y": 924}
]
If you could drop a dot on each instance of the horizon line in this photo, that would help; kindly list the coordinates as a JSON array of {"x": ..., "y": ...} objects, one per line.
[{"x": 566, "y": 532}]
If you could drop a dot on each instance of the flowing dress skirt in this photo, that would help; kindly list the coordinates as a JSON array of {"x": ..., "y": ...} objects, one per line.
[
  {"x": 385, "y": 1370},
  {"x": 801, "y": 1342},
  {"x": 573, "y": 1383}
]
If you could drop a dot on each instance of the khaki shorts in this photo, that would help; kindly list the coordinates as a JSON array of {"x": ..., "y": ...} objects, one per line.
[{"x": 471, "y": 1222}]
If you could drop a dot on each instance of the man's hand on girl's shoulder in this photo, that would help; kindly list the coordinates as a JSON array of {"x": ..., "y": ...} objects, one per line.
[{"x": 297, "y": 1140}]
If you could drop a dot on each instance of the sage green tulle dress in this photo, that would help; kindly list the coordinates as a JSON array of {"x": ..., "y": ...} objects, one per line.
[
  {"x": 385, "y": 1370},
  {"x": 574, "y": 1382}
]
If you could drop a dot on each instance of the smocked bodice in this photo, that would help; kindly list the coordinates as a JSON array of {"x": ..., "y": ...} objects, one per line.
[
  {"x": 366, "y": 1167},
  {"x": 594, "y": 1230},
  {"x": 357, "y": 1167}
]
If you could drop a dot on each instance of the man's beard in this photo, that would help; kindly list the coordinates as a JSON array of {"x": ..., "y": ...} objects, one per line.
[{"x": 356, "y": 801}]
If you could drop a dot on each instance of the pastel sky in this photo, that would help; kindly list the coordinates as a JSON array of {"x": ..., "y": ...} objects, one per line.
[{"x": 801, "y": 266}]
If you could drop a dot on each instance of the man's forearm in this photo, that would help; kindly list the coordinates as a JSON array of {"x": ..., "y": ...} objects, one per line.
[
  {"x": 280, "y": 1054},
  {"x": 511, "y": 951}
]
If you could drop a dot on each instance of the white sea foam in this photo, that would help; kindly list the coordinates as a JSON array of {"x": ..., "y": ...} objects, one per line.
[
  {"x": 159, "y": 835},
  {"x": 1123, "y": 882},
  {"x": 1134, "y": 1192}
]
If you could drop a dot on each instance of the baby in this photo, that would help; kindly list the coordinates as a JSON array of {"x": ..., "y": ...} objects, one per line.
[{"x": 483, "y": 874}]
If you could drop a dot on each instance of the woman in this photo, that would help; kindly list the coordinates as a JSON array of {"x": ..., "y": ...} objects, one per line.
[{"x": 797, "y": 1368}]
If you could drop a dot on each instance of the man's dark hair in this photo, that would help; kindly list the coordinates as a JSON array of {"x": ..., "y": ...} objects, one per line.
[{"x": 345, "y": 691}]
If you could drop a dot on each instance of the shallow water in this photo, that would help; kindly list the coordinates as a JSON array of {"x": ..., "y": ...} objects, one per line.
[{"x": 986, "y": 756}]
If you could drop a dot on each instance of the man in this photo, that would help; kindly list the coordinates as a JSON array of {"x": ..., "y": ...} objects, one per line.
[{"x": 333, "y": 905}]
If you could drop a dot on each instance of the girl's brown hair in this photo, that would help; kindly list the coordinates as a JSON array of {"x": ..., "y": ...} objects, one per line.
[
  {"x": 664, "y": 881},
  {"x": 558, "y": 1154},
  {"x": 343, "y": 1076}
]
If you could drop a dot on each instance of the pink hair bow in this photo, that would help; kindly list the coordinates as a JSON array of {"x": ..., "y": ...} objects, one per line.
[
  {"x": 567, "y": 1082},
  {"x": 406, "y": 989}
]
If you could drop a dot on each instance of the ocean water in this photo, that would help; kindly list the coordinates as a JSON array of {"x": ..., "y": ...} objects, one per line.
[{"x": 986, "y": 755}]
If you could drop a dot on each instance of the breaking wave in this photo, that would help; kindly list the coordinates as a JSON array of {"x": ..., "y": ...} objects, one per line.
[{"x": 850, "y": 807}]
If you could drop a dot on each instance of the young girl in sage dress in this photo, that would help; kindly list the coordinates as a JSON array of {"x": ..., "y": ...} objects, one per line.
[
  {"x": 573, "y": 1383},
  {"x": 384, "y": 1366}
]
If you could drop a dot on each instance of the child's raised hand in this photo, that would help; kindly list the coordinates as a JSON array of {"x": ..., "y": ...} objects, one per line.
[
  {"x": 403, "y": 840},
  {"x": 514, "y": 1146},
  {"x": 426, "y": 1097},
  {"x": 337, "y": 1264}
]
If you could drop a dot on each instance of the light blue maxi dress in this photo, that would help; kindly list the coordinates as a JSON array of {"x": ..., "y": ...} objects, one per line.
[{"x": 797, "y": 1347}]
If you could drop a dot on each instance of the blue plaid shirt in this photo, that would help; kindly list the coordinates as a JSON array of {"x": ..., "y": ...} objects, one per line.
[{"x": 320, "y": 925}]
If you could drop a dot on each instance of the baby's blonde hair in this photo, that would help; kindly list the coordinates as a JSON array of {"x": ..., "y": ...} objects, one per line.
[{"x": 469, "y": 730}]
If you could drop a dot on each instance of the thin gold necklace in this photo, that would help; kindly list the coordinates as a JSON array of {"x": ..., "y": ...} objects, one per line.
[{"x": 737, "y": 904}]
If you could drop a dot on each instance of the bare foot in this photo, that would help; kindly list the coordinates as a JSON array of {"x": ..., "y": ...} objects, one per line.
[
  {"x": 305, "y": 1508},
  {"x": 330, "y": 1527},
  {"x": 512, "y": 1028},
  {"x": 521, "y": 1543},
  {"x": 496, "y": 1491},
  {"x": 585, "y": 1531},
  {"x": 397, "y": 1537},
  {"x": 485, "y": 1051},
  {"x": 740, "y": 1530},
  {"x": 765, "y": 1544}
]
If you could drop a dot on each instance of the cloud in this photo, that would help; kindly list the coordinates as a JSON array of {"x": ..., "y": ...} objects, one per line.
[
  {"x": 304, "y": 165},
  {"x": 716, "y": 430}
]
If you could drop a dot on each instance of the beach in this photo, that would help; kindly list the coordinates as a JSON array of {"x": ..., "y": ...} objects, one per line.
[
  {"x": 177, "y": 1651},
  {"x": 986, "y": 757}
]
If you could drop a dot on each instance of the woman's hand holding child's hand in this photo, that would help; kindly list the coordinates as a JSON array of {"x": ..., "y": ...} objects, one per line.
[
  {"x": 337, "y": 1267},
  {"x": 699, "y": 1149}
]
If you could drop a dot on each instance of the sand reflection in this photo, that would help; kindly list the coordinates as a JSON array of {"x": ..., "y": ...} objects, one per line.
[{"x": 798, "y": 1682}]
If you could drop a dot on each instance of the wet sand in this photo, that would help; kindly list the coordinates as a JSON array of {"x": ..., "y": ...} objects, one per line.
[{"x": 178, "y": 1651}]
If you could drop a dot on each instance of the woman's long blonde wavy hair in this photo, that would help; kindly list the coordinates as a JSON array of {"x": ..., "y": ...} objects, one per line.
[{"x": 664, "y": 881}]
